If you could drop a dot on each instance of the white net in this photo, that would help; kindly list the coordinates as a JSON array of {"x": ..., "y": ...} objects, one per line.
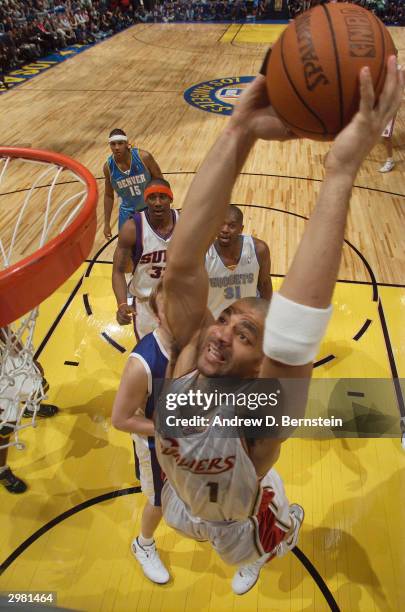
[
  {"x": 22, "y": 385},
  {"x": 48, "y": 198}
]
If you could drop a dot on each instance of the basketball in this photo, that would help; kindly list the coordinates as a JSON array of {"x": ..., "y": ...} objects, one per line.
[{"x": 313, "y": 71}]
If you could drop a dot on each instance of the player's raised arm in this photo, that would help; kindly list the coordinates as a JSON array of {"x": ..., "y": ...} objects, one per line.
[
  {"x": 122, "y": 255},
  {"x": 299, "y": 314},
  {"x": 185, "y": 280}
]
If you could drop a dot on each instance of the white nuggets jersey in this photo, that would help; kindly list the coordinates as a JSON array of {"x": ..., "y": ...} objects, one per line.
[
  {"x": 225, "y": 285},
  {"x": 212, "y": 474},
  {"x": 148, "y": 255}
]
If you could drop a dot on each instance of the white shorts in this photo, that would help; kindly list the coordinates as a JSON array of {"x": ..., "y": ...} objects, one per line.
[
  {"x": 389, "y": 128},
  {"x": 236, "y": 542},
  {"x": 145, "y": 321},
  {"x": 147, "y": 468}
]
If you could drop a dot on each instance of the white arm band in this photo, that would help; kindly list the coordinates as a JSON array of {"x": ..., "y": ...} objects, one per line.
[{"x": 293, "y": 332}]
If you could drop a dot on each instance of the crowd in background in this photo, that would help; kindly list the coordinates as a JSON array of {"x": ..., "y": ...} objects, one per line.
[
  {"x": 391, "y": 12},
  {"x": 30, "y": 29}
]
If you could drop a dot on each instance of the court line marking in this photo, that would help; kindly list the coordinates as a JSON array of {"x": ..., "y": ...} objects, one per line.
[
  {"x": 61, "y": 517},
  {"x": 363, "y": 330},
  {"x": 284, "y": 176},
  {"x": 224, "y": 33},
  {"x": 202, "y": 49},
  {"x": 236, "y": 33},
  {"x": 58, "y": 318},
  {"x": 113, "y": 342},
  {"x": 391, "y": 359},
  {"x": 309, "y": 566}
]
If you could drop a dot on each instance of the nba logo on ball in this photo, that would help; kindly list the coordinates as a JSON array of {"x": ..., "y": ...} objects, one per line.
[{"x": 217, "y": 96}]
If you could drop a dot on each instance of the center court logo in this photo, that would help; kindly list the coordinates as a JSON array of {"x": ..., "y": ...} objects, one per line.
[{"x": 217, "y": 96}]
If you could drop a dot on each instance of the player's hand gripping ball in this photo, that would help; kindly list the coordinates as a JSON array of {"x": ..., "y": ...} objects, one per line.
[{"x": 313, "y": 70}]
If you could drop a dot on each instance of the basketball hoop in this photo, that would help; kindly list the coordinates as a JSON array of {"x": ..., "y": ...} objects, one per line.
[{"x": 50, "y": 232}]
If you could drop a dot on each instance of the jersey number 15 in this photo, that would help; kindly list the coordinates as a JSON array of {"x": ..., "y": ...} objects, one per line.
[{"x": 135, "y": 190}]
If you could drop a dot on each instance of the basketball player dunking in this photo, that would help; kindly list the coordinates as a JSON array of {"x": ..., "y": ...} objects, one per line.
[
  {"x": 212, "y": 486},
  {"x": 132, "y": 412},
  {"x": 144, "y": 239},
  {"x": 238, "y": 265},
  {"x": 126, "y": 172}
]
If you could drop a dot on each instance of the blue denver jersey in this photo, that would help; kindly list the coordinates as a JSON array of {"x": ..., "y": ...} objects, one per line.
[
  {"x": 152, "y": 354},
  {"x": 130, "y": 185}
]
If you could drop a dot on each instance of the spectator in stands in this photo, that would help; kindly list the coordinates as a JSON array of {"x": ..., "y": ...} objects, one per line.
[
  {"x": 3, "y": 66},
  {"x": 30, "y": 29}
]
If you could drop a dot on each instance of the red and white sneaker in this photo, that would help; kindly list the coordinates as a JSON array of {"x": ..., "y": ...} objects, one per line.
[
  {"x": 297, "y": 516},
  {"x": 247, "y": 576}
]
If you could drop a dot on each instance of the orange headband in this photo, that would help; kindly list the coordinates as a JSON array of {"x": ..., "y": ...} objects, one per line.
[{"x": 158, "y": 189}]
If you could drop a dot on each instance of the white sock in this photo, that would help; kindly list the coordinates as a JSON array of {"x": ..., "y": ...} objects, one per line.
[{"x": 145, "y": 541}]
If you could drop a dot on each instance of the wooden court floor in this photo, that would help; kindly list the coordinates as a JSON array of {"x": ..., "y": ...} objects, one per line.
[{"x": 70, "y": 533}]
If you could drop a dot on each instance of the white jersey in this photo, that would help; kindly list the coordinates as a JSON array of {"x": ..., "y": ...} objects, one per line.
[
  {"x": 149, "y": 255},
  {"x": 212, "y": 474},
  {"x": 225, "y": 285}
]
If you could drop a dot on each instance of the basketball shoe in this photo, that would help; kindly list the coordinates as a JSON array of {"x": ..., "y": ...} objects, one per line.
[
  {"x": 150, "y": 561},
  {"x": 12, "y": 483},
  {"x": 247, "y": 576},
  {"x": 388, "y": 166},
  {"x": 44, "y": 411}
]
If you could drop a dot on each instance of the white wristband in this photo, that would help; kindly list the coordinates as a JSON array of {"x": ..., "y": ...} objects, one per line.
[{"x": 293, "y": 332}]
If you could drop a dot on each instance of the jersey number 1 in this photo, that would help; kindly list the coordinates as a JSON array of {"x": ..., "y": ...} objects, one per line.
[{"x": 213, "y": 487}]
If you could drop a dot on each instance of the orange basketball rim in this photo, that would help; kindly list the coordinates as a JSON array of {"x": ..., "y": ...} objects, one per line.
[{"x": 28, "y": 282}]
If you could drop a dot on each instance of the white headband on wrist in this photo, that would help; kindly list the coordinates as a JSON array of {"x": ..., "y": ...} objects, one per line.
[{"x": 118, "y": 138}]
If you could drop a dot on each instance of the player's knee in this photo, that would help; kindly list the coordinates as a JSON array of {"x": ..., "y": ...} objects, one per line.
[{"x": 293, "y": 332}]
